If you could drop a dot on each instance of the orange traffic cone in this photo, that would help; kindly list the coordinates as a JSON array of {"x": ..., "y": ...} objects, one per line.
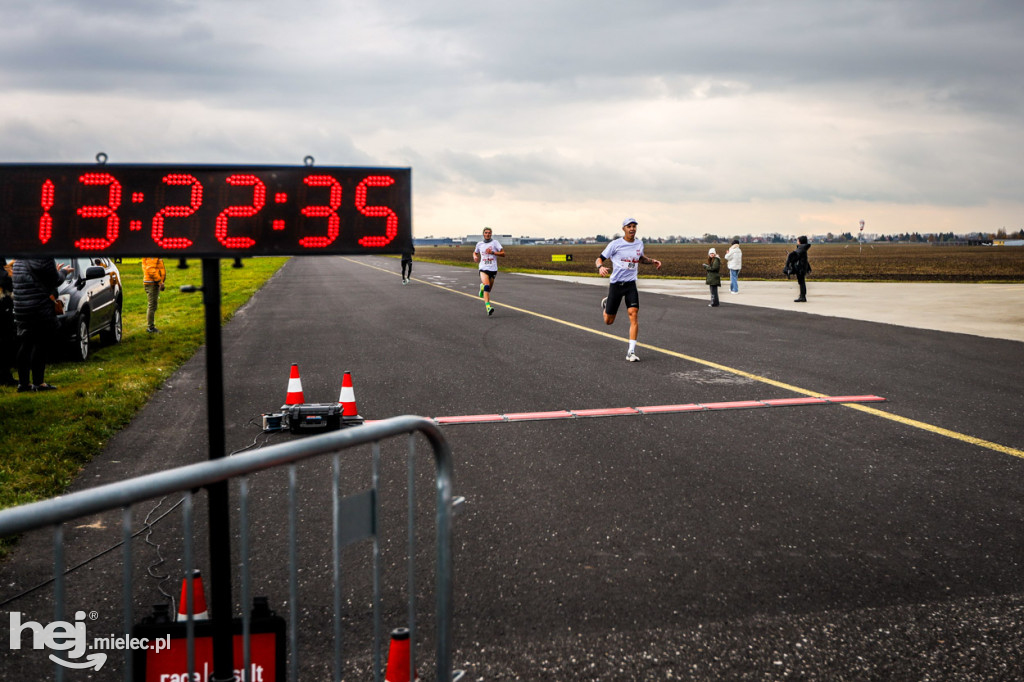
[
  {"x": 198, "y": 598},
  {"x": 349, "y": 413},
  {"x": 398, "y": 657},
  {"x": 295, "y": 396},
  {"x": 348, "y": 397}
]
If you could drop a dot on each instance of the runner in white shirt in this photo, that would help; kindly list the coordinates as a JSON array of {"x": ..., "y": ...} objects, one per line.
[
  {"x": 626, "y": 255},
  {"x": 486, "y": 253}
]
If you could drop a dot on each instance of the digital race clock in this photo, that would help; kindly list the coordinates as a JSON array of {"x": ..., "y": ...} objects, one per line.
[{"x": 202, "y": 211}]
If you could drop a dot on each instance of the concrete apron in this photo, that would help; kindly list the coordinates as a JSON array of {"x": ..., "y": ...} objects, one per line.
[{"x": 991, "y": 310}]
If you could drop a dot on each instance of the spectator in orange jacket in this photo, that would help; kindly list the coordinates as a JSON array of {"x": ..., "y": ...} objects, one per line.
[{"x": 153, "y": 277}]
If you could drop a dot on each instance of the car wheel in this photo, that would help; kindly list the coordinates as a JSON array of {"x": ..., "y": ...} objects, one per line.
[
  {"x": 80, "y": 347},
  {"x": 112, "y": 334}
]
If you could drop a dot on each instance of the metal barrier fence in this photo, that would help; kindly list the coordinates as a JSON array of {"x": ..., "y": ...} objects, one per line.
[{"x": 353, "y": 518}]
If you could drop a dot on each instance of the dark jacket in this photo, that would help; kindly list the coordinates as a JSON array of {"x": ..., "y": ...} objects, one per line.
[
  {"x": 35, "y": 280},
  {"x": 714, "y": 269},
  {"x": 803, "y": 266}
]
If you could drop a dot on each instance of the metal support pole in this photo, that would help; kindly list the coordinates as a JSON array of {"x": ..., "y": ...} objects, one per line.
[{"x": 217, "y": 493}]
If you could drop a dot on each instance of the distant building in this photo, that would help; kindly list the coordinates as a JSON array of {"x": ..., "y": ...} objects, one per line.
[
  {"x": 503, "y": 239},
  {"x": 436, "y": 241}
]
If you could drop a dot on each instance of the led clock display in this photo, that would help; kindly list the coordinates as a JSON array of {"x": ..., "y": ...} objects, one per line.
[{"x": 203, "y": 211}]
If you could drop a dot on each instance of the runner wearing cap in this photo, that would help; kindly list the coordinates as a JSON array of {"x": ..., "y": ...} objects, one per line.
[
  {"x": 486, "y": 253},
  {"x": 626, "y": 254}
]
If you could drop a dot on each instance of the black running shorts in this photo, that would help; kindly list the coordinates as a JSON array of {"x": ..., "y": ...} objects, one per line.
[{"x": 617, "y": 291}]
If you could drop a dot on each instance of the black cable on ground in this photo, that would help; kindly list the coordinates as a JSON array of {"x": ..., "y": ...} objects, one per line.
[{"x": 146, "y": 528}]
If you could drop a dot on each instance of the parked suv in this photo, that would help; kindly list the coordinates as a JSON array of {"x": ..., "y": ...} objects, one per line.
[{"x": 92, "y": 298}]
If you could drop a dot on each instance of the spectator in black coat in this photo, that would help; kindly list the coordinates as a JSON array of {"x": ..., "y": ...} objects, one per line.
[
  {"x": 35, "y": 295},
  {"x": 802, "y": 268},
  {"x": 8, "y": 339}
]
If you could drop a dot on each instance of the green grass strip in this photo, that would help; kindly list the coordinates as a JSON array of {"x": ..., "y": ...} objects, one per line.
[{"x": 46, "y": 438}]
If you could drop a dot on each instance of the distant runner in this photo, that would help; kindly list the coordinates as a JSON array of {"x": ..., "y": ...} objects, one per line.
[
  {"x": 486, "y": 254},
  {"x": 407, "y": 264},
  {"x": 626, "y": 255}
]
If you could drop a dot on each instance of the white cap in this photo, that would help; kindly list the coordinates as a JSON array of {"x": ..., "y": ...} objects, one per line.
[
  {"x": 712, "y": 252},
  {"x": 629, "y": 221}
]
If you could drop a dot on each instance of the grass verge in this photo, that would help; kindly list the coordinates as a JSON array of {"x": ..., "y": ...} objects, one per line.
[{"x": 46, "y": 438}]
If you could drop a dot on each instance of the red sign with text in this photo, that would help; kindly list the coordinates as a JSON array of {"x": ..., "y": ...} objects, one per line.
[
  {"x": 172, "y": 665},
  {"x": 166, "y": 658}
]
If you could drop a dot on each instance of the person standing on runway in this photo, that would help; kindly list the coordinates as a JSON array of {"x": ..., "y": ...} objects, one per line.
[
  {"x": 802, "y": 267},
  {"x": 734, "y": 257},
  {"x": 407, "y": 264},
  {"x": 486, "y": 254},
  {"x": 713, "y": 276},
  {"x": 626, "y": 254}
]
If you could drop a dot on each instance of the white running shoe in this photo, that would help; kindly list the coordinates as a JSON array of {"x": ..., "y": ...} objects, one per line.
[
  {"x": 603, "y": 301},
  {"x": 631, "y": 356}
]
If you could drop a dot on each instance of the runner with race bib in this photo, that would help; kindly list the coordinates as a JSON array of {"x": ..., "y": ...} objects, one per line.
[{"x": 626, "y": 254}]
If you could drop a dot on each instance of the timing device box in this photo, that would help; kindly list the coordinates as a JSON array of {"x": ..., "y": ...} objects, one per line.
[{"x": 313, "y": 417}]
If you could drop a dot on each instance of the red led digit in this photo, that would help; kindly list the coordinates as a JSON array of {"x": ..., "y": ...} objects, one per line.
[
  {"x": 391, "y": 229},
  {"x": 330, "y": 212},
  {"x": 109, "y": 211},
  {"x": 46, "y": 220},
  {"x": 195, "y": 202},
  {"x": 259, "y": 197}
]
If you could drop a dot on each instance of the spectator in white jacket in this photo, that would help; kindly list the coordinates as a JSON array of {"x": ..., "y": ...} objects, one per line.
[{"x": 734, "y": 257}]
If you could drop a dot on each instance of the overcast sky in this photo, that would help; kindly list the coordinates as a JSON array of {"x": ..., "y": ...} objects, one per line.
[{"x": 554, "y": 117}]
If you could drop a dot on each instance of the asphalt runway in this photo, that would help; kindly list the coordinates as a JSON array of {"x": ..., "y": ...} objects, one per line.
[{"x": 856, "y": 541}]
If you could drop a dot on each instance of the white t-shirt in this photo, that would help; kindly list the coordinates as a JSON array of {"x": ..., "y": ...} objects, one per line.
[
  {"x": 488, "y": 261},
  {"x": 625, "y": 257}
]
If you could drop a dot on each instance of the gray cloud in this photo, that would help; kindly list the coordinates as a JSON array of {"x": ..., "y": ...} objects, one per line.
[{"x": 869, "y": 100}]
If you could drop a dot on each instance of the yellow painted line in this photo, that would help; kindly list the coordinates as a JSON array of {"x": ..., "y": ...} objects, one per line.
[
  {"x": 931, "y": 428},
  {"x": 980, "y": 442}
]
